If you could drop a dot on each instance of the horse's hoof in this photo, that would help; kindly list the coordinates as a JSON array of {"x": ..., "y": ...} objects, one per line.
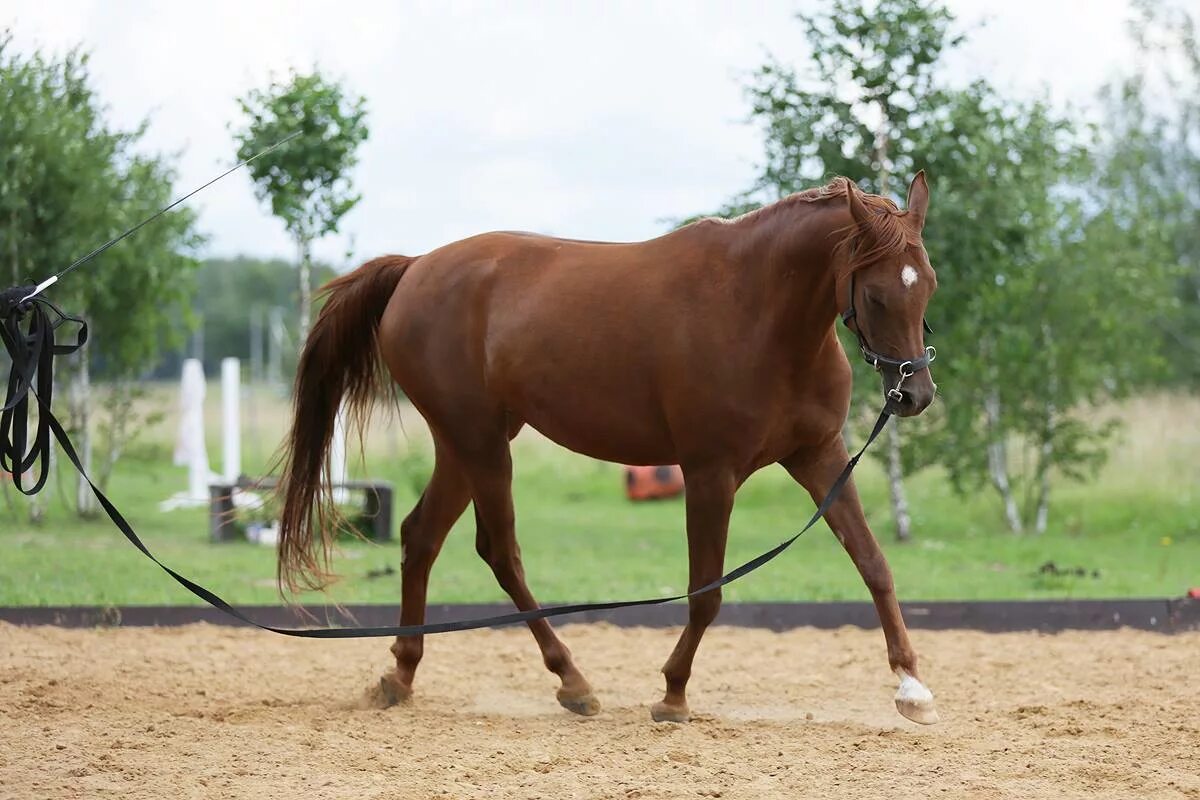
[
  {"x": 585, "y": 705},
  {"x": 914, "y": 701},
  {"x": 389, "y": 692},
  {"x": 923, "y": 713},
  {"x": 665, "y": 712}
]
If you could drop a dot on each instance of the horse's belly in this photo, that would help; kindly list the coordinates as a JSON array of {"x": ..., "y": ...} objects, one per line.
[{"x": 620, "y": 427}]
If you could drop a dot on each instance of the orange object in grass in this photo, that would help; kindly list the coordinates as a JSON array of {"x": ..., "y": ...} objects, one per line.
[{"x": 653, "y": 483}]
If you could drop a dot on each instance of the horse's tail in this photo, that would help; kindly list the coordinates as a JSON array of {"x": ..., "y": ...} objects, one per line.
[{"x": 340, "y": 362}]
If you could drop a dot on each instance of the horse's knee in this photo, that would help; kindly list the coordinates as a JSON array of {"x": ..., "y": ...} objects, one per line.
[
  {"x": 880, "y": 582},
  {"x": 417, "y": 554},
  {"x": 703, "y": 608},
  {"x": 877, "y": 575},
  {"x": 411, "y": 523},
  {"x": 415, "y": 547}
]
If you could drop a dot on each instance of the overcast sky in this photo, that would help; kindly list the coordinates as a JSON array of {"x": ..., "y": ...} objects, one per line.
[{"x": 589, "y": 119}]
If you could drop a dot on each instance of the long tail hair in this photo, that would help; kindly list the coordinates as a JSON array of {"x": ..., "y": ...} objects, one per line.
[{"x": 340, "y": 361}]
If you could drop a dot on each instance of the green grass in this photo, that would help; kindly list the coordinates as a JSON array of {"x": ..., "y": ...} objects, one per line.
[{"x": 1137, "y": 527}]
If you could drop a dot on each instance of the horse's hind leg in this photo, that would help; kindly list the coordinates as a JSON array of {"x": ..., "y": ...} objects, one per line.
[
  {"x": 709, "y": 504},
  {"x": 490, "y": 474},
  {"x": 421, "y": 537}
]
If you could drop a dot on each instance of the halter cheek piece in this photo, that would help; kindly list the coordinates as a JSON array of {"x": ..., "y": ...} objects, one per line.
[{"x": 906, "y": 368}]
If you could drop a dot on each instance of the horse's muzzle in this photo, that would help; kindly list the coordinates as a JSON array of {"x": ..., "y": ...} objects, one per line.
[{"x": 915, "y": 397}]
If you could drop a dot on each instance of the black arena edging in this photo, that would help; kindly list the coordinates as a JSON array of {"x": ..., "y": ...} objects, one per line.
[{"x": 1162, "y": 615}]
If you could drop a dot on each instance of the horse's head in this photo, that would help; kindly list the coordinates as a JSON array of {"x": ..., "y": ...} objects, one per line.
[{"x": 887, "y": 285}]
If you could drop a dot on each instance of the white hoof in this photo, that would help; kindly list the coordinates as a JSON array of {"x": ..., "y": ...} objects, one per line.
[{"x": 914, "y": 700}]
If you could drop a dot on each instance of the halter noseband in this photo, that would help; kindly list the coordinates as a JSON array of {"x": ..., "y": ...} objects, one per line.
[{"x": 907, "y": 368}]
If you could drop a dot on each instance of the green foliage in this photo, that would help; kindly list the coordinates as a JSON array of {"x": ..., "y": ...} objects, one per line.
[
  {"x": 1056, "y": 290},
  {"x": 871, "y": 84},
  {"x": 1152, "y": 167},
  {"x": 129, "y": 407},
  {"x": 306, "y": 181},
  {"x": 68, "y": 182}
]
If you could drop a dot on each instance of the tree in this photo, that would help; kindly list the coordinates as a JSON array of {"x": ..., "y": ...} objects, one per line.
[
  {"x": 994, "y": 241},
  {"x": 1151, "y": 151},
  {"x": 873, "y": 68},
  {"x": 307, "y": 181},
  {"x": 1046, "y": 279},
  {"x": 69, "y": 182}
]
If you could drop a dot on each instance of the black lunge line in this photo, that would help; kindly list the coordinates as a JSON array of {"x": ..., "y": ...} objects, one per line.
[
  {"x": 34, "y": 351},
  {"x": 28, "y": 323}
]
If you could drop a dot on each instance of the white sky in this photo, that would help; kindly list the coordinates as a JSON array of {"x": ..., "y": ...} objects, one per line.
[{"x": 590, "y": 119}]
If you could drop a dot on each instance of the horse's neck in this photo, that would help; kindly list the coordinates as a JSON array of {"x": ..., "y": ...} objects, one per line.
[{"x": 792, "y": 250}]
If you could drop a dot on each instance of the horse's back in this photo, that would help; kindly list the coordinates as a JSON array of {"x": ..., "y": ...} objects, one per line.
[{"x": 555, "y": 331}]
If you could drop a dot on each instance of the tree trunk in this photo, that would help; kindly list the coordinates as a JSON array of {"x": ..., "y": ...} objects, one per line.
[
  {"x": 997, "y": 454},
  {"x": 305, "y": 270},
  {"x": 120, "y": 411},
  {"x": 1046, "y": 454},
  {"x": 40, "y": 501},
  {"x": 896, "y": 485},
  {"x": 81, "y": 400},
  {"x": 1043, "y": 507}
]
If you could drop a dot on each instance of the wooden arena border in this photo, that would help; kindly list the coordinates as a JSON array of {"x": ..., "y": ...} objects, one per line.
[{"x": 1164, "y": 615}]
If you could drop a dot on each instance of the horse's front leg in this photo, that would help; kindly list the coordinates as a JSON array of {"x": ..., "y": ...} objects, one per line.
[
  {"x": 709, "y": 497},
  {"x": 816, "y": 470}
]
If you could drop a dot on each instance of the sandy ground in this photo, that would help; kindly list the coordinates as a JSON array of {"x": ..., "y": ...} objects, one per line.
[{"x": 204, "y": 711}]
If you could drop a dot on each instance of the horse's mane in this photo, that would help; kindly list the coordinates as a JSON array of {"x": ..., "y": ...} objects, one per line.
[{"x": 885, "y": 235}]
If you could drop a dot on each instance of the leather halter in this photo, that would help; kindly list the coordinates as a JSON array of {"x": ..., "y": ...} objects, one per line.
[{"x": 906, "y": 367}]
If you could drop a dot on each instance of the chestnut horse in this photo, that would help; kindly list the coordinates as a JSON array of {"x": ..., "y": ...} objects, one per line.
[{"x": 712, "y": 347}]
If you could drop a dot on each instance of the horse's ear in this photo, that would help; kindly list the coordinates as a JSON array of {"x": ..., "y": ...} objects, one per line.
[
  {"x": 858, "y": 209},
  {"x": 918, "y": 200}
]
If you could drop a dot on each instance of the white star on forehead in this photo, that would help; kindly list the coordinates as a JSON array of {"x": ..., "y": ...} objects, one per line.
[{"x": 908, "y": 276}]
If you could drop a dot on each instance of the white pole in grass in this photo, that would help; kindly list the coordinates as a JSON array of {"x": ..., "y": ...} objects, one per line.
[
  {"x": 190, "y": 448},
  {"x": 337, "y": 456},
  {"x": 231, "y": 390}
]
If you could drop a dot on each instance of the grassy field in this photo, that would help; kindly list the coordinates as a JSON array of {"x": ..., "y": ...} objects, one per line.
[{"x": 1135, "y": 531}]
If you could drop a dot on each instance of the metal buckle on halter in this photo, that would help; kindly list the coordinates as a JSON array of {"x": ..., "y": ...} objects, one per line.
[{"x": 906, "y": 371}]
